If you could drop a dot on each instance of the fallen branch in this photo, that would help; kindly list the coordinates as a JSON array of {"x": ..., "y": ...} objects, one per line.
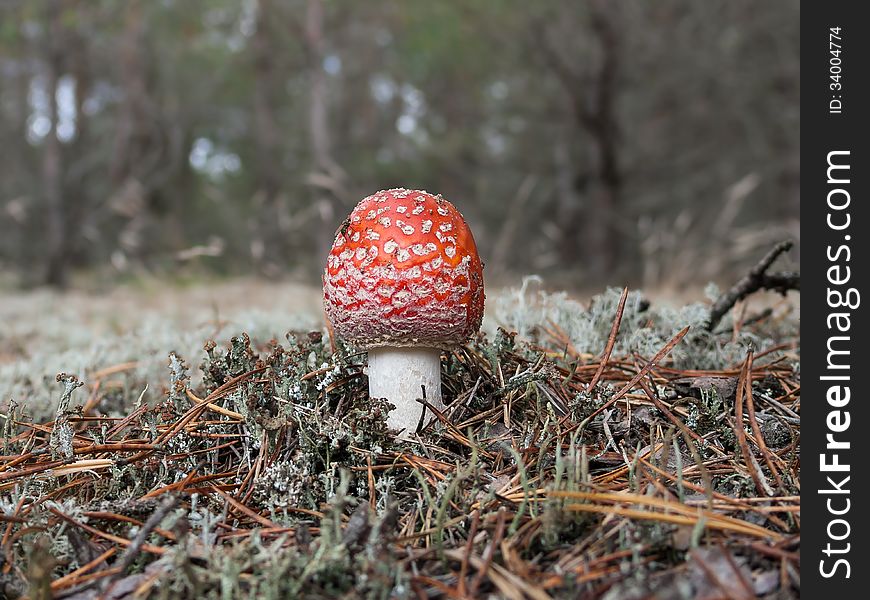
[
  {"x": 138, "y": 543},
  {"x": 756, "y": 279}
]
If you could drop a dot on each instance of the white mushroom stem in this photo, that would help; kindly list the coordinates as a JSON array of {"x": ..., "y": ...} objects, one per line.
[{"x": 397, "y": 374}]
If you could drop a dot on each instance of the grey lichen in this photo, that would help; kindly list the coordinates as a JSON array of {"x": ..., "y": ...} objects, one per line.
[
  {"x": 61, "y": 441},
  {"x": 295, "y": 487},
  {"x": 644, "y": 329}
]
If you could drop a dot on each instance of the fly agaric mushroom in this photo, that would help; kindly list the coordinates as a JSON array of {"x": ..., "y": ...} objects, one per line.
[{"x": 404, "y": 280}]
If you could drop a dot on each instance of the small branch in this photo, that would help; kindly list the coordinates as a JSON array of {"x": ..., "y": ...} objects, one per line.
[
  {"x": 135, "y": 548},
  {"x": 756, "y": 279}
]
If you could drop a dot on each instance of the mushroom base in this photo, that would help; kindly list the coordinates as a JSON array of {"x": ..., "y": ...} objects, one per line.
[{"x": 397, "y": 374}]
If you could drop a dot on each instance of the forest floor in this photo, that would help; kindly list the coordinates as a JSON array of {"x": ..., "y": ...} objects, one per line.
[{"x": 608, "y": 448}]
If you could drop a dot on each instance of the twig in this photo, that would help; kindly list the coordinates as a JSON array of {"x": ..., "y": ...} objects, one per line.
[
  {"x": 138, "y": 542},
  {"x": 489, "y": 552},
  {"x": 469, "y": 547},
  {"x": 751, "y": 464},
  {"x": 640, "y": 375},
  {"x": 756, "y": 279},
  {"x": 611, "y": 340},
  {"x": 756, "y": 430}
]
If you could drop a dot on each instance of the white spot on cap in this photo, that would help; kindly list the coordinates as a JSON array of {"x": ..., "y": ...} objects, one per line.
[
  {"x": 445, "y": 226},
  {"x": 355, "y": 236},
  {"x": 385, "y": 221},
  {"x": 442, "y": 210},
  {"x": 371, "y": 234},
  {"x": 402, "y": 255},
  {"x": 450, "y": 251},
  {"x": 401, "y": 209},
  {"x": 405, "y": 227},
  {"x": 360, "y": 253},
  {"x": 426, "y": 226},
  {"x": 417, "y": 209},
  {"x": 421, "y": 250},
  {"x": 390, "y": 246}
]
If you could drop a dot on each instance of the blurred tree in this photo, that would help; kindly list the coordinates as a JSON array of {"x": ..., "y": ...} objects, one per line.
[
  {"x": 650, "y": 141},
  {"x": 592, "y": 91},
  {"x": 57, "y": 206},
  {"x": 267, "y": 248}
]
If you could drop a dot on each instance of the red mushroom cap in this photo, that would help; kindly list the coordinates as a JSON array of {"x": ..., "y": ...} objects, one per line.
[{"x": 404, "y": 271}]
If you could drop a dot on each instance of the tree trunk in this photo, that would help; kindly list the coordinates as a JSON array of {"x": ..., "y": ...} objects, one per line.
[
  {"x": 52, "y": 160},
  {"x": 598, "y": 117},
  {"x": 327, "y": 174},
  {"x": 268, "y": 245},
  {"x": 591, "y": 229},
  {"x": 137, "y": 150},
  {"x": 78, "y": 151}
]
